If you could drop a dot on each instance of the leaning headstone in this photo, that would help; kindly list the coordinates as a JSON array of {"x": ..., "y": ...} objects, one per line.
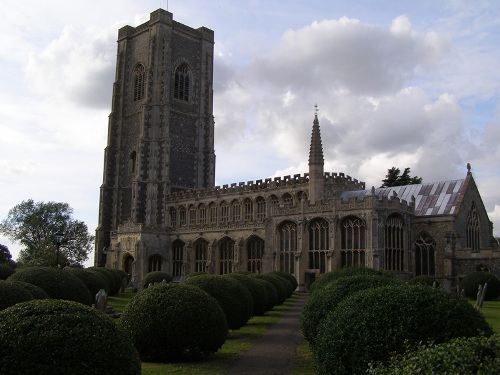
[{"x": 101, "y": 300}]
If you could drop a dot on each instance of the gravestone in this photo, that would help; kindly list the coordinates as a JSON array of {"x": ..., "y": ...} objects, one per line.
[{"x": 101, "y": 300}]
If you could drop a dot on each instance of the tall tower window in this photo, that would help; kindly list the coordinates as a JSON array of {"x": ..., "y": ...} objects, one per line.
[
  {"x": 353, "y": 239},
  {"x": 394, "y": 243},
  {"x": 182, "y": 82},
  {"x": 473, "y": 229},
  {"x": 139, "y": 76}
]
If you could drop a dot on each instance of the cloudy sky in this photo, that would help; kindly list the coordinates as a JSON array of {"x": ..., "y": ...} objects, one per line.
[{"x": 398, "y": 83}]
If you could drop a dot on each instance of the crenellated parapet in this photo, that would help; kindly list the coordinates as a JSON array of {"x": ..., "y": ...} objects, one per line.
[{"x": 368, "y": 199}]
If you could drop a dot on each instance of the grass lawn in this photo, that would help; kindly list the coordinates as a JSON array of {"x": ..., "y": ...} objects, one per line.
[{"x": 237, "y": 342}]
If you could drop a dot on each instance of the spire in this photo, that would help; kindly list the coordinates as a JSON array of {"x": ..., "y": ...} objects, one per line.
[{"x": 316, "y": 149}]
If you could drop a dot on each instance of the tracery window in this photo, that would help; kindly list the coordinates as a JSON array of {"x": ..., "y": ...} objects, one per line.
[
  {"x": 318, "y": 244},
  {"x": 473, "y": 228},
  {"x": 261, "y": 208},
  {"x": 425, "y": 256},
  {"x": 301, "y": 196},
  {"x": 287, "y": 199},
  {"x": 235, "y": 211},
  {"x": 182, "y": 82},
  {"x": 226, "y": 255},
  {"x": 255, "y": 254},
  {"x": 182, "y": 216},
  {"x": 192, "y": 215},
  {"x": 288, "y": 246},
  {"x": 203, "y": 214},
  {"x": 213, "y": 213},
  {"x": 353, "y": 238},
  {"x": 139, "y": 81},
  {"x": 154, "y": 263},
  {"x": 200, "y": 256},
  {"x": 224, "y": 212},
  {"x": 394, "y": 243},
  {"x": 275, "y": 203},
  {"x": 248, "y": 210},
  {"x": 177, "y": 258},
  {"x": 173, "y": 217}
]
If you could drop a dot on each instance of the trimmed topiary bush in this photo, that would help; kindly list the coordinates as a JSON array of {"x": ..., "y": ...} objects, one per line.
[
  {"x": 283, "y": 286},
  {"x": 171, "y": 321},
  {"x": 5, "y": 271},
  {"x": 234, "y": 299},
  {"x": 156, "y": 277},
  {"x": 114, "y": 279},
  {"x": 373, "y": 324},
  {"x": 423, "y": 280},
  {"x": 287, "y": 276},
  {"x": 12, "y": 293},
  {"x": 94, "y": 281},
  {"x": 36, "y": 291},
  {"x": 256, "y": 289},
  {"x": 103, "y": 277},
  {"x": 471, "y": 355},
  {"x": 327, "y": 298},
  {"x": 272, "y": 294},
  {"x": 470, "y": 284},
  {"x": 57, "y": 283},
  {"x": 46, "y": 337}
]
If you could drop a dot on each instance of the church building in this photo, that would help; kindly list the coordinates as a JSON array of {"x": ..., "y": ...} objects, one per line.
[{"x": 161, "y": 211}]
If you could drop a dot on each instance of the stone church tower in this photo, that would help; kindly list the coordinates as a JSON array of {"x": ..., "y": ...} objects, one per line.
[{"x": 160, "y": 132}]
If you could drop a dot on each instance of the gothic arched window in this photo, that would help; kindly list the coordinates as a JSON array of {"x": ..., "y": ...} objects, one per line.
[
  {"x": 424, "y": 256},
  {"x": 261, "y": 208},
  {"x": 318, "y": 244},
  {"x": 353, "y": 237},
  {"x": 394, "y": 243},
  {"x": 473, "y": 228},
  {"x": 288, "y": 246},
  {"x": 182, "y": 82},
  {"x": 255, "y": 254},
  {"x": 177, "y": 258},
  {"x": 226, "y": 255},
  {"x": 154, "y": 263},
  {"x": 248, "y": 210},
  {"x": 139, "y": 77},
  {"x": 200, "y": 256}
]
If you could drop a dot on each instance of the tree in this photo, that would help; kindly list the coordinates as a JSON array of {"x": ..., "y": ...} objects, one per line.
[
  {"x": 5, "y": 256},
  {"x": 34, "y": 225},
  {"x": 395, "y": 178}
]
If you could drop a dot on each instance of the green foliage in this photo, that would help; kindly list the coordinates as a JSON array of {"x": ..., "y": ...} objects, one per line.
[
  {"x": 94, "y": 281},
  {"x": 343, "y": 272},
  {"x": 256, "y": 289},
  {"x": 470, "y": 284},
  {"x": 156, "y": 277},
  {"x": 287, "y": 276},
  {"x": 283, "y": 286},
  {"x": 327, "y": 298},
  {"x": 6, "y": 257},
  {"x": 12, "y": 293},
  {"x": 47, "y": 337},
  {"x": 394, "y": 178},
  {"x": 57, "y": 283},
  {"x": 112, "y": 276},
  {"x": 272, "y": 294},
  {"x": 171, "y": 321},
  {"x": 36, "y": 291},
  {"x": 5, "y": 271},
  {"x": 471, "y": 355},
  {"x": 423, "y": 280},
  {"x": 234, "y": 299},
  {"x": 375, "y": 323},
  {"x": 34, "y": 226}
]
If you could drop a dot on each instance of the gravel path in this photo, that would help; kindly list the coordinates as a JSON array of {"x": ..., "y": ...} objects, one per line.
[{"x": 274, "y": 352}]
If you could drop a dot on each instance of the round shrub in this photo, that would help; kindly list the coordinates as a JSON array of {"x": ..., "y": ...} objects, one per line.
[
  {"x": 57, "y": 283},
  {"x": 423, "y": 280},
  {"x": 256, "y": 289},
  {"x": 272, "y": 294},
  {"x": 114, "y": 279},
  {"x": 12, "y": 293},
  {"x": 287, "y": 276},
  {"x": 63, "y": 337},
  {"x": 471, "y": 355},
  {"x": 372, "y": 324},
  {"x": 342, "y": 272},
  {"x": 234, "y": 299},
  {"x": 470, "y": 284},
  {"x": 94, "y": 281},
  {"x": 282, "y": 286},
  {"x": 327, "y": 298},
  {"x": 171, "y": 321},
  {"x": 36, "y": 291},
  {"x": 156, "y": 277},
  {"x": 5, "y": 271},
  {"x": 193, "y": 274},
  {"x": 104, "y": 278}
]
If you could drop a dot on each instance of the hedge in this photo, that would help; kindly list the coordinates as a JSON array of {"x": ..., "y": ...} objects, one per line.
[
  {"x": 470, "y": 284},
  {"x": 12, "y": 293}
]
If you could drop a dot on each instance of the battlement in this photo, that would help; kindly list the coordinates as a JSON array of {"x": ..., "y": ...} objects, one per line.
[{"x": 369, "y": 199}]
